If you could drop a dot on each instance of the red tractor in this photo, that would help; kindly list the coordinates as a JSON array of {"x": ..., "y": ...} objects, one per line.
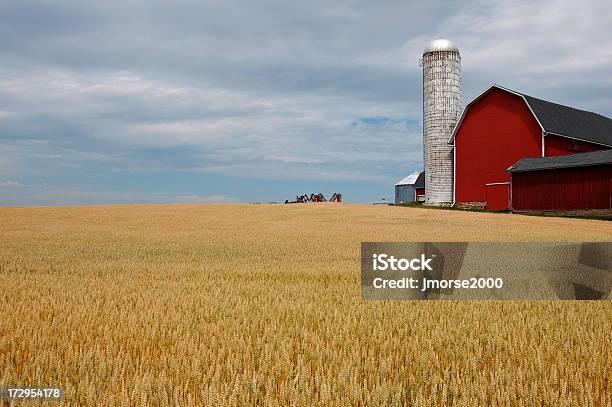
[{"x": 336, "y": 197}]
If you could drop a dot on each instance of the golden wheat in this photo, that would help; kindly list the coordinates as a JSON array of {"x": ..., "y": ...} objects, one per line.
[{"x": 240, "y": 305}]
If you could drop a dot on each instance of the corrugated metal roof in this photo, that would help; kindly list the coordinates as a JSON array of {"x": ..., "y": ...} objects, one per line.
[
  {"x": 602, "y": 157},
  {"x": 410, "y": 179}
]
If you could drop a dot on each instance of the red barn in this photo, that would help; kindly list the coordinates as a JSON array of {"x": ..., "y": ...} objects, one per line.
[
  {"x": 567, "y": 183},
  {"x": 501, "y": 127}
]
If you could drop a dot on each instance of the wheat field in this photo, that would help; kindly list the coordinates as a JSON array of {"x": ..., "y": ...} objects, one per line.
[{"x": 239, "y": 305}]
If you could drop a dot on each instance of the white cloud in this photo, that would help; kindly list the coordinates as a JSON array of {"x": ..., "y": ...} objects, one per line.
[
  {"x": 44, "y": 195},
  {"x": 227, "y": 126},
  {"x": 10, "y": 184}
]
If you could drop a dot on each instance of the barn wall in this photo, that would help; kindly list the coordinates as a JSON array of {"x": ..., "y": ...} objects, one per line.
[
  {"x": 563, "y": 189},
  {"x": 497, "y": 131},
  {"x": 555, "y": 145},
  {"x": 404, "y": 193}
]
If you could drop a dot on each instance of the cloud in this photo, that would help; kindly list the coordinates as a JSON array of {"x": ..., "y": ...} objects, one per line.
[
  {"x": 43, "y": 195},
  {"x": 228, "y": 131},
  {"x": 10, "y": 184}
]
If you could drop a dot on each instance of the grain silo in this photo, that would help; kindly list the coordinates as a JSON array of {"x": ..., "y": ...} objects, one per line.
[{"x": 441, "y": 109}]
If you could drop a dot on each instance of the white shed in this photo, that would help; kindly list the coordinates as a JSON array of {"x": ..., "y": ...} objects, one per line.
[{"x": 404, "y": 189}]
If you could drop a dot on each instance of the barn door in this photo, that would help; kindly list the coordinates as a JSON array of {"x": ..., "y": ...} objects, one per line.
[{"x": 498, "y": 196}]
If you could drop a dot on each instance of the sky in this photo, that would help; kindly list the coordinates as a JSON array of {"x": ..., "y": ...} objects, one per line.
[{"x": 259, "y": 101}]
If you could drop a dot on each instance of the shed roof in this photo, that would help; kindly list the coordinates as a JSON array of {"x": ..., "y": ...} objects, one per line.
[
  {"x": 558, "y": 119},
  {"x": 409, "y": 180},
  {"x": 603, "y": 157}
]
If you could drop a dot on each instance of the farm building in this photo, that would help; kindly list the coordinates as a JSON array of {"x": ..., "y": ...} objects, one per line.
[
  {"x": 501, "y": 127},
  {"x": 568, "y": 182},
  {"x": 410, "y": 188},
  {"x": 467, "y": 155},
  {"x": 441, "y": 64},
  {"x": 419, "y": 187}
]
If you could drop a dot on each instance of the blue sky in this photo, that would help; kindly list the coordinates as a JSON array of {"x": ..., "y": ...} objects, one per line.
[{"x": 217, "y": 101}]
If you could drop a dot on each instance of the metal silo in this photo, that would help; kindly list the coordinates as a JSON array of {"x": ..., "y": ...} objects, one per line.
[{"x": 441, "y": 109}]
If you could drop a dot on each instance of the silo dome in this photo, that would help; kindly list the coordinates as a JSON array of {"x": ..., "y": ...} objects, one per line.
[{"x": 441, "y": 45}]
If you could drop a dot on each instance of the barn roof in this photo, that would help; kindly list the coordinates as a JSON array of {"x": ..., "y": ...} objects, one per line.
[
  {"x": 601, "y": 157},
  {"x": 409, "y": 180},
  {"x": 558, "y": 119},
  {"x": 570, "y": 122}
]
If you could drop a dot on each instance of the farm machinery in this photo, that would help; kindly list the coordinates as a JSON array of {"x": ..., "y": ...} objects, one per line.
[{"x": 336, "y": 197}]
